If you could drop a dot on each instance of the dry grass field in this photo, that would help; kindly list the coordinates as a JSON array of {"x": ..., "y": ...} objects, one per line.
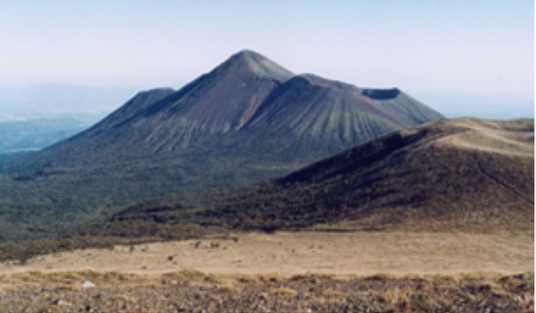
[
  {"x": 289, "y": 253},
  {"x": 297, "y": 272}
]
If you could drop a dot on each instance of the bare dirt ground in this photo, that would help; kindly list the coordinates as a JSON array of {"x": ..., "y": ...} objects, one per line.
[
  {"x": 190, "y": 291},
  {"x": 288, "y": 253}
]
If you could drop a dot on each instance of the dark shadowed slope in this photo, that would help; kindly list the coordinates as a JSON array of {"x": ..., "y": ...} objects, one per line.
[
  {"x": 247, "y": 120},
  {"x": 465, "y": 175}
]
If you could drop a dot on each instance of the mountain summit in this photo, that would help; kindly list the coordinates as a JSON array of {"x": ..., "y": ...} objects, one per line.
[
  {"x": 252, "y": 63},
  {"x": 247, "y": 120},
  {"x": 225, "y": 98}
]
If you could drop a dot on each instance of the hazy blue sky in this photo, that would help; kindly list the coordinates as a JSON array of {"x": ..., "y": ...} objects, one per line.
[{"x": 477, "y": 47}]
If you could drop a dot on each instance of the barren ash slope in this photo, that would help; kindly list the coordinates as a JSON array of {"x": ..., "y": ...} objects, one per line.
[
  {"x": 247, "y": 120},
  {"x": 460, "y": 175}
]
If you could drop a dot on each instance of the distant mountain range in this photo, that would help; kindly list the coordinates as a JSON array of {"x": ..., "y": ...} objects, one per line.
[
  {"x": 37, "y": 116},
  {"x": 247, "y": 120},
  {"x": 35, "y": 133}
]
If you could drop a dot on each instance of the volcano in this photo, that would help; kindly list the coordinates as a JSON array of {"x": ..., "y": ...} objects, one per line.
[{"x": 247, "y": 120}]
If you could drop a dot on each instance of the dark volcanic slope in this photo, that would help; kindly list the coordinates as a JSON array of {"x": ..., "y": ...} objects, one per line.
[
  {"x": 250, "y": 103},
  {"x": 247, "y": 120},
  {"x": 451, "y": 175},
  {"x": 309, "y": 106}
]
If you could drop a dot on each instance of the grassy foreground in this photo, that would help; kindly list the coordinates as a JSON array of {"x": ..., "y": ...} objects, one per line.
[{"x": 191, "y": 291}]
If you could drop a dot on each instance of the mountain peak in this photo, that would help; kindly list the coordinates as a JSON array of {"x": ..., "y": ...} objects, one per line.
[
  {"x": 247, "y": 56},
  {"x": 248, "y": 53},
  {"x": 250, "y": 62}
]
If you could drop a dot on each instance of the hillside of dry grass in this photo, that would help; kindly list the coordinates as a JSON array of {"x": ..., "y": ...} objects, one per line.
[{"x": 289, "y": 253}]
